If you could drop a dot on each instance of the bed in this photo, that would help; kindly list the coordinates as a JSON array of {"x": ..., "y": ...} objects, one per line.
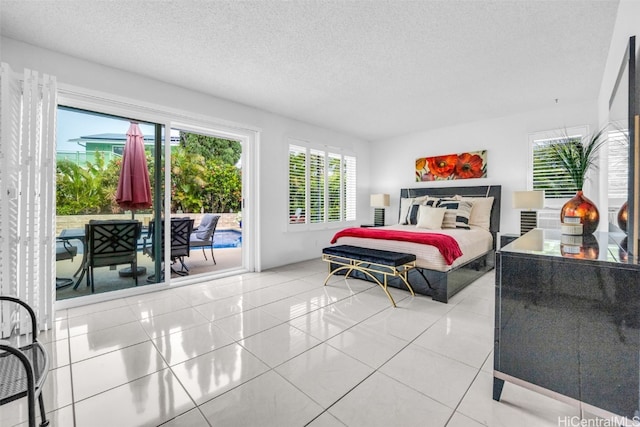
[{"x": 436, "y": 274}]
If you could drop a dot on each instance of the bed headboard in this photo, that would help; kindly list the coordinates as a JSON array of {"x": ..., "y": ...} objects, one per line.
[{"x": 479, "y": 191}]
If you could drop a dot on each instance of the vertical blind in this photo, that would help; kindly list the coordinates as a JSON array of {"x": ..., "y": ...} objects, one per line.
[
  {"x": 27, "y": 178},
  {"x": 322, "y": 186}
]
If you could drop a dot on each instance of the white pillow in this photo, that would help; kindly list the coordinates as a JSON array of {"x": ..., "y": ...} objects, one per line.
[
  {"x": 430, "y": 218},
  {"x": 481, "y": 211}
]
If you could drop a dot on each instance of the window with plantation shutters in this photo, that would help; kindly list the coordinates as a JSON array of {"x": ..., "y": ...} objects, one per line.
[
  {"x": 322, "y": 186},
  {"x": 334, "y": 183},
  {"x": 544, "y": 173},
  {"x": 618, "y": 163},
  {"x": 297, "y": 184},
  {"x": 316, "y": 186},
  {"x": 349, "y": 187}
]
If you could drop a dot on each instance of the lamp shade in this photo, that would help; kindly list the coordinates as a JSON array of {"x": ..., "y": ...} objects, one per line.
[
  {"x": 528, "y": 199},
  {"x": 380, "y": 201}
]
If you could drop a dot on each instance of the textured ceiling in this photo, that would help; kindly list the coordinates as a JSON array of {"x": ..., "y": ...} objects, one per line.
[{"x": 373, "y": 69}]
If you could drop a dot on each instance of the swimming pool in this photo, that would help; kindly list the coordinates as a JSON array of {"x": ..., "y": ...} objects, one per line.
[{"x": 227, "y": 239}]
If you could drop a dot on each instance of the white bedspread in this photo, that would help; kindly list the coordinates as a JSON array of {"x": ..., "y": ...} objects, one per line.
[{"x": 473, "y": 243}]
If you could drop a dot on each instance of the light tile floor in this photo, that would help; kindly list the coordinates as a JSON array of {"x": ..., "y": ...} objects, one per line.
[{"x": 279, "y": 349}]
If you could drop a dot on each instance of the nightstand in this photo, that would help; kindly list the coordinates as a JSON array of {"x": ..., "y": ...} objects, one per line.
[{"x": 507, "y": 238}]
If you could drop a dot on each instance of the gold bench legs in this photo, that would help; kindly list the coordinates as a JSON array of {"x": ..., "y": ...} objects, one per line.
[{"x": 357, "y": 265}]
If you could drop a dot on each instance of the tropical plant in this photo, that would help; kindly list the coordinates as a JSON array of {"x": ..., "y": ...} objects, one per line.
[
  {"x": 187, "y": 183},
  {"x": 223, "y": 188},
  {"x": 203, "y": 177},
  {"x": 211, "y": 147},
  {"x": 84, "y": 190},
  {"x": 577, "y": 156}
]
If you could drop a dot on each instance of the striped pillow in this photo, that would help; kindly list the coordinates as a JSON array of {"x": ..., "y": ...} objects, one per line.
[
  {"x": 414, "y": 210},
  {"x": 405, "y": 206},
  {"x": 457, "y": 213}
]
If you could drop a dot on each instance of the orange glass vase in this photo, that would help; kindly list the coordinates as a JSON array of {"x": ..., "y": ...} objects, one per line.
[
  {"x": 584, "y": 209},
  {"x": 623, "y": 215}
]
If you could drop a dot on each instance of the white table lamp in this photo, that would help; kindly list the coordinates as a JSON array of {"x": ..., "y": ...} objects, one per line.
[{"x": 528, "y": 202}]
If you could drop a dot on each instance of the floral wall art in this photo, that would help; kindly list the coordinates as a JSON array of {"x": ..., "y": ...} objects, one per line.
[{"x": 472, "y": 164}]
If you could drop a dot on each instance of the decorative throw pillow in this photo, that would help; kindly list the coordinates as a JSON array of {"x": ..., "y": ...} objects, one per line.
[
  {"x": 430, "y": 218},
  {"x": 480, "y": 211},
  {"x": 457, "y": 214},
  {"x": 414, "y": 212}
]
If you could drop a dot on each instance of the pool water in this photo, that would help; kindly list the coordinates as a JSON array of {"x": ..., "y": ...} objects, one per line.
[{"x": 227, "y": 239}]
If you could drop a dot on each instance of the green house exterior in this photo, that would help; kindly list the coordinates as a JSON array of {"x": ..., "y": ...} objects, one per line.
[{"x": 111, "y": 145}]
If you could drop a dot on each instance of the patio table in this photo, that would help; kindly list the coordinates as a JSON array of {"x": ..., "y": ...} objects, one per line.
[
  {"x": 78, "y": 234},
  {"x": 75, "y": 234}
]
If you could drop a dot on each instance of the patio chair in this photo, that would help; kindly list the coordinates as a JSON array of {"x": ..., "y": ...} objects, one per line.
[
  {"x": 203, "y": 235},
  {"x": 110, "y": 243},
  {"x": 64, "y": 251},
  {"x": 24, "y": 362},
  {"x": 181, "y": 229}
]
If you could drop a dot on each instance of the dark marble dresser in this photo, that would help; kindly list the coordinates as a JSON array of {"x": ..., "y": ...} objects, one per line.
[{"x": 567, "y": 320}]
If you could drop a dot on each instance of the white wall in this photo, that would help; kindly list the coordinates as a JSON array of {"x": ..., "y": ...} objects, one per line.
[
  {"x": 278, "y": 247},
  {"x": 506, "y": 142}
]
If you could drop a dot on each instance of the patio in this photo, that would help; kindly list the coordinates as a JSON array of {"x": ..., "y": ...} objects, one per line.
[{"x": 107, "y": 280}]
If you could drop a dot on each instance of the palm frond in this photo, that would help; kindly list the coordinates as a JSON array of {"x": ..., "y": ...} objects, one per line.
[{"x": 577, "y": 157}]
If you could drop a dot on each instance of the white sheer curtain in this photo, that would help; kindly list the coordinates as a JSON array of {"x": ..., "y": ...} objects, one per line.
[{"x": 27, "y": 184}]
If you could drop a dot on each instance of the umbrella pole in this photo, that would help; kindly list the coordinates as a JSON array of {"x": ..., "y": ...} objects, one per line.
[{"x": 127, "y": 271}]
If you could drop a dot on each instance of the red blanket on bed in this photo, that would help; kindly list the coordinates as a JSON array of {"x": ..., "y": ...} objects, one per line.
[{"x": 447, "y": 245}]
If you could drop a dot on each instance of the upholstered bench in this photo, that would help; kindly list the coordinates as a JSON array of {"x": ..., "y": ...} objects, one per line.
[{"x": 370, "y": 262}]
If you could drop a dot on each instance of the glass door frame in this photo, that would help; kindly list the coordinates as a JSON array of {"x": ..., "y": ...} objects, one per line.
[{"x": 248, "y": 136}]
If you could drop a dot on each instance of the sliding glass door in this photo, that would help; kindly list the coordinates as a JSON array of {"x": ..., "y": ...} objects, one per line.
[
  {"x": 111, "y": 172},
  {"x": 206, "y": 186},
  {"x": 107, "y": 190}
]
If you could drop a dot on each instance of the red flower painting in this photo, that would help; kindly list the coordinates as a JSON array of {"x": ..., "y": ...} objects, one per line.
[
  {"x": 469, "y": 166},
  {"x": 452, "y": 166},
  {"x": 442, "y": 166}
]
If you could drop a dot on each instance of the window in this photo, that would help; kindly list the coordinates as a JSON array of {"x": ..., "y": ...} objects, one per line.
[
  {"x": 618, "y": 162},
  {"x": 322, "y": 186},
  {"x": 545, "y": 175}
]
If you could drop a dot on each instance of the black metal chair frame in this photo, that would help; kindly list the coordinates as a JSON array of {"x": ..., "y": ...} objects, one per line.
[
  {"x": 64, "y": 251},
  {"x": 207, "y": 241},
  {"x": 24, "y": 369},
  {"x": 181, "y": 229},
  {"x": 110, "y": 243}
]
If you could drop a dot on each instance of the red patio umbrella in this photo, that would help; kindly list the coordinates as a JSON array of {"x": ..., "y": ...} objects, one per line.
[{"x": 134, "y": 188}]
